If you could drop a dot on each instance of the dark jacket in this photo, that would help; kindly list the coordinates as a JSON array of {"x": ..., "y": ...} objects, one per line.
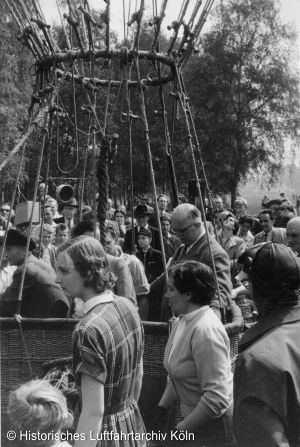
[
  {"x": 155, "y": 243},
  {"x": 42, "y": 297},
  {"x": 171, "y": 243},
  {"x": 267, "y": 382},
  {"x": 152, "y": 262}
]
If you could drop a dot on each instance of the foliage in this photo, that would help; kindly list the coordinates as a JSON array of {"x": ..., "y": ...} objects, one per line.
[
  {"x": 245, "y": 92},
  {"x": 15, "y": 89}
]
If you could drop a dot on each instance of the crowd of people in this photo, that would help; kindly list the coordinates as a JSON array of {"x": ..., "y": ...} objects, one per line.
[{"x": 204, "y": 281}]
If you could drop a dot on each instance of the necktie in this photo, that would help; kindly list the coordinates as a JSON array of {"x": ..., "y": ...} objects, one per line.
[
  {"x": 265, "y": 237},
  {"x": 183, "y": 252}
]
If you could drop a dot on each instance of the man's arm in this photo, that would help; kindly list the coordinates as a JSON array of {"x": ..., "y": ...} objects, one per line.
[{"x": 256, "y": 425}]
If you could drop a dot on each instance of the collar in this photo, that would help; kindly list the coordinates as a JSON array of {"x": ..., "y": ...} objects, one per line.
[
  {"x": 275, "y": 318},
  {"x": 138, "y": 228},
  {"x": 104, "y": 297},
  {"x": 195, "y": 313},
  {"x": 189, "y": 247}
]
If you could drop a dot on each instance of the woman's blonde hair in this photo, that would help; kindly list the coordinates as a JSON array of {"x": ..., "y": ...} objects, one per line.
[
  {"x": 39, "y": 406},
  {"x": 89, "y": 259}
]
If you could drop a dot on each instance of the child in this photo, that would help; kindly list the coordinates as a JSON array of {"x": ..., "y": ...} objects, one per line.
[
  {"x": 39, "y": 413},
  {"x": 150, "y": 258}
]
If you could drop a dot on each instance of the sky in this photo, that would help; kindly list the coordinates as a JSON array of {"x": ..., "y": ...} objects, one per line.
[
  {"x": 290, "y": 10},
  {"x": 290, "y": 13}
]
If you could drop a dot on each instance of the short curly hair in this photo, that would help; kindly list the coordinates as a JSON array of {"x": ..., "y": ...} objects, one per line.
[
  {"x": 194, "y": 277},
  {"x": 89, "y": 259},
  {"x": 39, "y": 406}
]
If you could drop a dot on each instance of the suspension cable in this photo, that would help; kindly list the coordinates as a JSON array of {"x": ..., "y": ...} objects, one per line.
[
  {"x": 152, "y": 176},
  {"x": 182, "y": 100}
]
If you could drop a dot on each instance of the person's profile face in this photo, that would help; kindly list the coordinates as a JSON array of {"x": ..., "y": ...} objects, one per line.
[
  {"x": 110, "y": 243},
  {"x": 15, "y": 254},
  {"x": 70, "y": 280},
  {"x": 177, "y": 300},
  {"x": 244, "y": 227},
  {"x": 293, "y": 236},
  {"x": 48, "y": 217},
  {"x": 142, "y": 221},
  {"x": 68, "y": 212},
  {"x": 62, "y": 236},
  {"x": 188, "y": 230},
  {"x": 266, "y": 223},
  {"x": 162, "y": 203},
  {"x": 165, "y": 226},
  {"x": 119, "y": 218},
  {"x": 144, "y": 242}
]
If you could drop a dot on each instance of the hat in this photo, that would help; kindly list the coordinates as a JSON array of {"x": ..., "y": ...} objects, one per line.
[
  {"x": 272, "y": 263},
  {"x": 144, "y": 232},
  {"x": 72, "y": 203},
  {"x": 143, "y": 197},
  {"x": 17, "y": 238},
  {"x": 141, "y": 211},
  {"x": 165, "y": 218}
]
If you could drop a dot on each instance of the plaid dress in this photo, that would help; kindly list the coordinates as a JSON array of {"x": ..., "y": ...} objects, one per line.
[{"x": 108, "y": 346}]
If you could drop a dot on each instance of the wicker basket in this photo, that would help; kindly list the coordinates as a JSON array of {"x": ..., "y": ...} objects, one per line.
[{"x": 51, "y": 339}]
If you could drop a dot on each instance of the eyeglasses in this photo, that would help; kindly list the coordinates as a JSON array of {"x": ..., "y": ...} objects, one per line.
[
  {"x": 246, "y": 283},
  {"x": 183, "y": 230},
  {"x": 5, "y": 210}
]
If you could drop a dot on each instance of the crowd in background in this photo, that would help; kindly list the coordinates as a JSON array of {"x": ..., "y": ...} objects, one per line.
[{"x": 242, "y": 269}]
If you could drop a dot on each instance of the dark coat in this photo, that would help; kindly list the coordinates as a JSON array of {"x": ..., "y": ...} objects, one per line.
[
  {"x": 171, "y": 244},
  {"x": 42, "y": 297},
  {"x": 155, "y": 243},
  {"x": 267, "y": 382},
  {"x": 152, "y": 262}
]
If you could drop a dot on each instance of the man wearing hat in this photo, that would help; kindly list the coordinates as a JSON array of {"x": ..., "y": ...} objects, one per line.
[
  {"x": 68, "y": 212},
  {"x": 42, "y": 297},
  {"x": 267, "y": 379},
  {"x": 141, "y": 215},
  {"x": 143, "y": 200}
]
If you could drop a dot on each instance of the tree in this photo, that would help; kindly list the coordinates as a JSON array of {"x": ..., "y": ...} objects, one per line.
[
  {"x": 245, "y": 92},
  {"x": 15, "y": 89}
]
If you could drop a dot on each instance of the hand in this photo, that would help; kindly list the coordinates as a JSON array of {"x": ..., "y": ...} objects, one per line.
[{"x": 162, "y": 419}]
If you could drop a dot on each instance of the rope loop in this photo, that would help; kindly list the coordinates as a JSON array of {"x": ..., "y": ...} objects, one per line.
[{"x": 124, "y": 57}]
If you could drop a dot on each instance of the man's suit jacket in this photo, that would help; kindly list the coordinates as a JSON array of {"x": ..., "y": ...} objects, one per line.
[
  {"x": 200, "y": 252},
  {"x": 155, "y": 243},
  {"x": 277, "y": 235},
  {"x": 42, "y": 297}
]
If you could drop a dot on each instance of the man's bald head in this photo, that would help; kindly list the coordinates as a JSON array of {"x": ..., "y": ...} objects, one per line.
[
  {"x": 293, "y": 234},
  {"x": 186, "y": 222},
  {"x": 186, "y": 211}
]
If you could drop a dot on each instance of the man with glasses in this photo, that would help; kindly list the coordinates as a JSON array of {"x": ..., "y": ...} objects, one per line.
[{"x": 187, "y": 225}]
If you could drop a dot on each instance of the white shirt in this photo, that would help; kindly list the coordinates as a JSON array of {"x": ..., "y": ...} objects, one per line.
[
  {"x": 6, "y": 277},
  {"x": 104, "y": 297}
]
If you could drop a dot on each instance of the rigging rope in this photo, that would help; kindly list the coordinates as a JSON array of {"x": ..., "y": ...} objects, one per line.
[
  {"x": 182, "y": 100},
  {"x": 152, "y": 176}
]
